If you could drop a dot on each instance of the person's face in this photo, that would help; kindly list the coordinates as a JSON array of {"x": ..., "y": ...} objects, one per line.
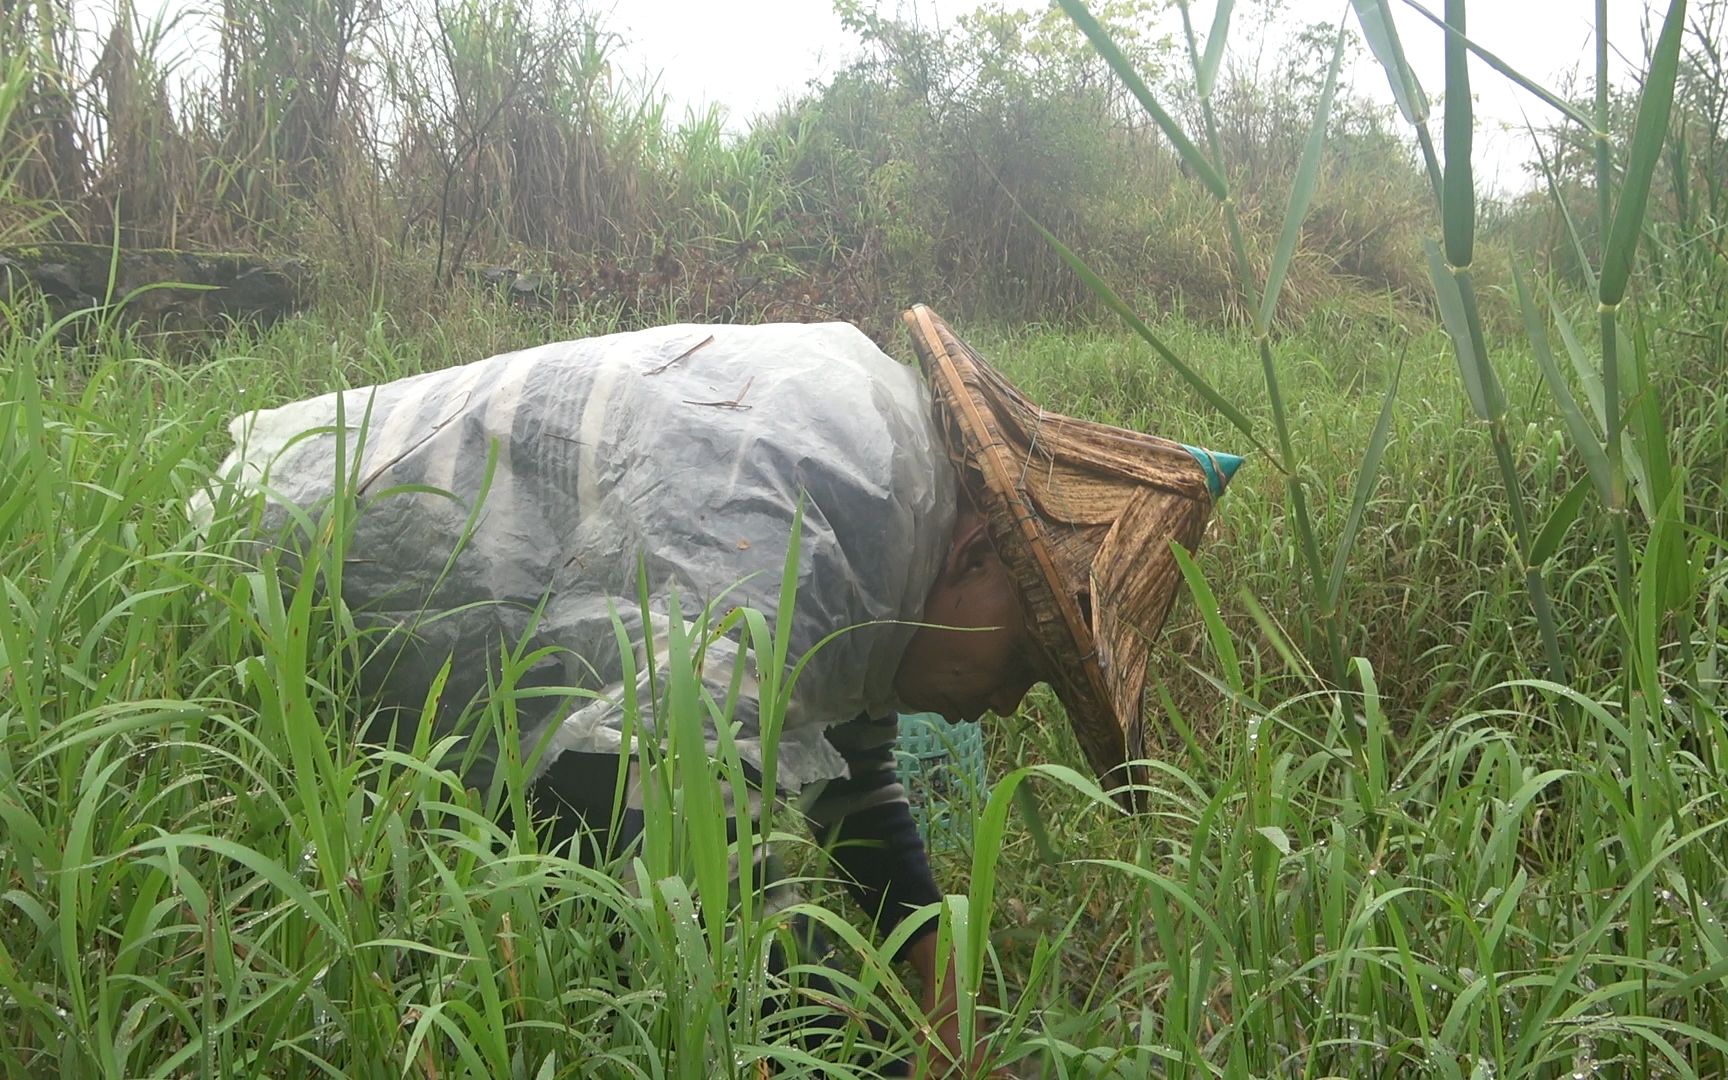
[{"x": 978, "y": 655}]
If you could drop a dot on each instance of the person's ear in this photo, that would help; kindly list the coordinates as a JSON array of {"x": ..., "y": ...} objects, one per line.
[{"x": 969, "y": 552}]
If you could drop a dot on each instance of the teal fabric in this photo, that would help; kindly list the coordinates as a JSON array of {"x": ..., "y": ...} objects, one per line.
[{"x": 1218, "y": 466}]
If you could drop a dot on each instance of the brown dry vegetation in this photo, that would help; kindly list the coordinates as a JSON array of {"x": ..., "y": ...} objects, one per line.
[
  {"x": 406, "y": 149},
  {"x": 415, "y": 147}
]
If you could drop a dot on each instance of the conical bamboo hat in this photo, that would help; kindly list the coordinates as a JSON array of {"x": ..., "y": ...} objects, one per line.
[{"x": 1082, "y": 515}]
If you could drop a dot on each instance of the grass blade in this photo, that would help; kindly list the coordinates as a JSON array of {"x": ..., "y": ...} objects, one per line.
[
  {"x": 1193, "y": 378},
  {"x": 1583, "y": 435},
  {"x": 1458, "y": 186},
  {"x": 1648, "y": 134},
  {"x": 1215, "y": 40},
  {"x": 1112, "y": 54},
  {"x": 1366, "y": 478},
  {"x": 1204, "y": 599},
  {"x": 1565, "y": 513},
  {"x": 1457, "y": 321},
  {"x": 1302, "y": 192},
  {"x": 1548, "y": 97}
]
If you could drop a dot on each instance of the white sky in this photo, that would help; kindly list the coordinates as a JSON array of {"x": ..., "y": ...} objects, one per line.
[{"x": 748, "y": 54}]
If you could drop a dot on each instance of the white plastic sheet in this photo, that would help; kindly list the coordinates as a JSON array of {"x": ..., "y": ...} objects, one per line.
[{"x": 689, "y": 454}]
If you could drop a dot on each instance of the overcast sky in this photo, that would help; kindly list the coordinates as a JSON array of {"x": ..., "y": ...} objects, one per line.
[{"x": 748, "y": 54}]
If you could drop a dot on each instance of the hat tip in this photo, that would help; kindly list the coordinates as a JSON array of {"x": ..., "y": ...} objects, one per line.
[{"x": 1218, "y": 466}]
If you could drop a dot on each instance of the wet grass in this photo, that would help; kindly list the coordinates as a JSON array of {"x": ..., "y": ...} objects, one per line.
[{"x": 1454, "y": 867}]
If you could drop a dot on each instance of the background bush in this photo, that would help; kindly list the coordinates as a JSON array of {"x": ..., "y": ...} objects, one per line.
[{"x": 410, "y": 146}]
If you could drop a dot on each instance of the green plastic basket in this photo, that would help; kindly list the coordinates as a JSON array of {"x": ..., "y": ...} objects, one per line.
[{"x": 942, "y": 768}]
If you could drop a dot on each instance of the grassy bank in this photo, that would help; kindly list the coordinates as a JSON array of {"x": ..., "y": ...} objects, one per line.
[
  {"x": 1442, "y": 757},
  {"x": 1460, "y": 869}
]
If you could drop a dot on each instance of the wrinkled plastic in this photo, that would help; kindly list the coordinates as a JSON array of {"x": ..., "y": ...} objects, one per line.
[{"x": 616, "y": 449}]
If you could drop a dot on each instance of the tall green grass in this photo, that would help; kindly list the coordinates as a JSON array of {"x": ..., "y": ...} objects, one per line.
[
  {"x": 1387, "y": 832},
  {"x": 1440, "y": 872},
  {"x": 1640, "y": 740},
  {"x": 207, "y": 874}
]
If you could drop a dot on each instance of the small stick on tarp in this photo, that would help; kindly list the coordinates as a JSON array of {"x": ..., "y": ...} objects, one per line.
[
  {"x": 685, "y": 355},
  {"x": 735, "y": 403}
]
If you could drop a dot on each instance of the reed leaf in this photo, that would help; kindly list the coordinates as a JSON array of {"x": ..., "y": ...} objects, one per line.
[
  {"x": 1302, "y": 191},
  {"x": 1101, "y": 40},
  {"x": 1655, "y": 104},
  {"x": 1471, "y": 367},
  {"x": 1584, "y": 437},
  {"x": 1190, "y": 376},
  {"x": 1216, "y": 39},
  {"x": 1382, "y": 37},
  {"x": 1572, "y": 234},
  {"x": 1375, "y": 18},
  {"x": 1545, "y": 95},
  {"x": 1591, "y": 380},
  {"x": 1458, "y": 193},
  {"x": 1367, "y": 476}
]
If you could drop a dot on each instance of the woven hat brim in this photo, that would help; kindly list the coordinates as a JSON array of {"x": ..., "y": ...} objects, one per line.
[{"x": 1082, "y": 516}]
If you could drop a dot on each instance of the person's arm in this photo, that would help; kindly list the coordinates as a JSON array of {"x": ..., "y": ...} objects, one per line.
[{"x": 865, "y": 821}]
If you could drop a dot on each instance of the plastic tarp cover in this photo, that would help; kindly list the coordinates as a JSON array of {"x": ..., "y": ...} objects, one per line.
[{"x": 660, "y": 450}]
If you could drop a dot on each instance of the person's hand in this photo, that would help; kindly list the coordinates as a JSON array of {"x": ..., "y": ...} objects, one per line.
[{"x": 947, "y": 1058}]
